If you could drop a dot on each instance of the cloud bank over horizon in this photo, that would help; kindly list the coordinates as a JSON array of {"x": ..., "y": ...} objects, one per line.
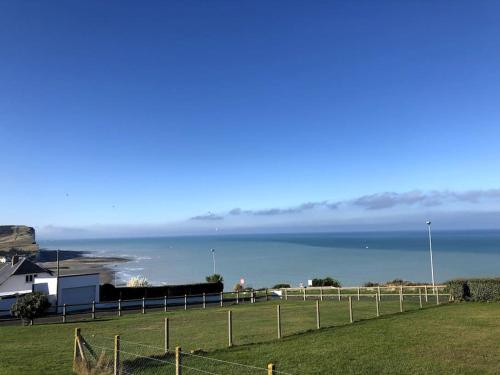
[{"x": 470, "y": 209}]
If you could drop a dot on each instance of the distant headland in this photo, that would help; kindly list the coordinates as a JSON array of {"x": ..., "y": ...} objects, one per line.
[{"x": 17, "y": 239}]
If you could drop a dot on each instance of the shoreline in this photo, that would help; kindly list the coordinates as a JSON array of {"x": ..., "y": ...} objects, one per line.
[{"x": 78, "y": 262}]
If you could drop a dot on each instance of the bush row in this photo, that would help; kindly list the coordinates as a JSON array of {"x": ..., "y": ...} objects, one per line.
[{"x": 475, "y": 289}]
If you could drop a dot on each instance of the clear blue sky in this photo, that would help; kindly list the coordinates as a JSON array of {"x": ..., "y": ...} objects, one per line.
[{"x": 117, "y": 114}]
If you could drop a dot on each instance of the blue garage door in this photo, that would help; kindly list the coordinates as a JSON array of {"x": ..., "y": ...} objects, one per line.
[{"x": 81, "y": 294}]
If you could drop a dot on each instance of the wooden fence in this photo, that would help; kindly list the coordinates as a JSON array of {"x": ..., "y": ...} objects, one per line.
[
  {"x": 63, "y": 312},
  {"x": 116, "y": 356}
]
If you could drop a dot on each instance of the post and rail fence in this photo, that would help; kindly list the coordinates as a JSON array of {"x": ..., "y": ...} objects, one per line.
[{"x": 120, "y": 307}]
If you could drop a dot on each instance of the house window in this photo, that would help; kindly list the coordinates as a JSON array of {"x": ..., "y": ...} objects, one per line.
[{"x": 29, "y": 278}]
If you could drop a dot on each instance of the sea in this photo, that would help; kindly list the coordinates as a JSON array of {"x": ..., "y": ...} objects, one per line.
[{"x": 263, "y": 260}]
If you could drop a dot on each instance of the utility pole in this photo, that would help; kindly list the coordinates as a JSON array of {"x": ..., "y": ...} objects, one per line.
[
  {"x": 57, "y": 280},
  {"x": 430, "y": 251},
  {"x": 213, "y": 258}
]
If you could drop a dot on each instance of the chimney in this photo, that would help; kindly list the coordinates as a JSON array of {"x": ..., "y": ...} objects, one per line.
[{"x": 15, "y": 259}]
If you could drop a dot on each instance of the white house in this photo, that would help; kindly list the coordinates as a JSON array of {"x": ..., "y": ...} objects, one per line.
[
  {"x": 19, "y": 275},
  {"x": 22, "y": 276}
]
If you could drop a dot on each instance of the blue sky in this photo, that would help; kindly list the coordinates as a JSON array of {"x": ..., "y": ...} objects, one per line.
[{"x": 126, "y": 119}]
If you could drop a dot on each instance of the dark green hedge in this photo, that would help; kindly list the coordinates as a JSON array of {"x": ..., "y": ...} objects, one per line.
[
  {"x": 111, "y": 293},
  {"x": 475, "y": 289}
]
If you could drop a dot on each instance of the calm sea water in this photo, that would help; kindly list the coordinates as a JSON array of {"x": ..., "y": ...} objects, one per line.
[{"x": 264, "y": 260}]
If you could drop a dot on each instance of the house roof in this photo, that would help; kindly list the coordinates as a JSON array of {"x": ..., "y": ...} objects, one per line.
[{"x": 23, "y": 267}]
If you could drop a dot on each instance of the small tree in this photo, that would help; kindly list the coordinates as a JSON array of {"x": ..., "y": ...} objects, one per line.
[
  {"x": 215, "y": 278},
  {"x": 138, "y": 282},
  {"x": 237, "y": 287},
  {"x": 282, "y": 285},
  {"x": 30, "y": 306},
  {"x": 327, "y": 281}
]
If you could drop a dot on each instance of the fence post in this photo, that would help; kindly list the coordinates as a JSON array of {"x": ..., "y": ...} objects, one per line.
[
  {"x": 400, "y": 303},
  {"x": 75, "y": 349},
  {"x": 116, "y": 357},
  {"x": 178, "y": 361},
  {"x": 377, "y": 305},
  {"x": 167, "y": 335},
  {"x": 318, "y": 322},
  {"x": 204, "y": 300},
  {"x": 358, "y": 293},
  {"x": 350, "y": 309},
  {"x": 286, "y": 295},
  {"x": 278, "y": 316},
  {"x": 119, "y": 307},
  {"x": 437, "y": 296},
  {"x": 378, "y": 292},
  {"x": 321, "y": 293},
  {"x": 221, "y": 299},
  {"x": 420, "y": 296},
  {"x": 143, "y": 305},
  {"x": 338, "y": 292},
  {"x": 426, "y": 298},
  {"x": 93, "y": 309},
  {"x": 165, "y": 304},
  {"x": 185, "y": 302},
  {"x": 230, "y": 327},
  {"x": 267, "y": 295},
  {"x": 63, "y": 313},
  {"x": 270, "y": 369},
  {"x": 237, "y": 297},
  {"x": 304, "y": 292}
]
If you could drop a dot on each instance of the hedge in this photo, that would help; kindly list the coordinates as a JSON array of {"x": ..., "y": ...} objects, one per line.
[
  {"x": 109, "y": 292},
  {"x": 475, "y": 289}
]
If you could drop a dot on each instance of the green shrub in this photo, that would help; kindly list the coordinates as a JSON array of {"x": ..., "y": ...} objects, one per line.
[
  {"x": 280, "y": 286},
  {"x": 458, "y": 289},
  {"x": 215, "y": 278},
  {"x": 484, "y": 289},
  {"x": 370, "y": 284},
  {"x": 402, "y": 282},
  {"x": 30, "y": 306},
  {"x": 475, "y": 289},
  {"x": 327, "y": 281}
]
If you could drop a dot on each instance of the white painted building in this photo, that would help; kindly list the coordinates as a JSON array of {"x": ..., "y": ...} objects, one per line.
[
  {"x": 70, "y": 289},
  {"x": 19, "y": 275}
]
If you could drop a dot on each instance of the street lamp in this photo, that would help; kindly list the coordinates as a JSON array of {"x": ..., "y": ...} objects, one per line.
[
  {"x": 430, "y": 251},
  {"x": 213, "y": 257}
]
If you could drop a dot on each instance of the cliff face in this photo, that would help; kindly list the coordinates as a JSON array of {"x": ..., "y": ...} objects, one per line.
[{"x": 17, "y": 238}]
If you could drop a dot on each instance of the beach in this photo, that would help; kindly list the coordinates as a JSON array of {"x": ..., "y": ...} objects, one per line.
[{"x": 81, "y": 262}]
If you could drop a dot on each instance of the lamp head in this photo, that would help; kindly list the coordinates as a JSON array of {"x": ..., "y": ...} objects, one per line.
[{"x": 428, "y": 222}]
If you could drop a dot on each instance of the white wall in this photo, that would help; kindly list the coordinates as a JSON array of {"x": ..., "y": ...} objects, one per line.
[
  {"x": 18, "y": 284},
  {"x": 47, "y": 285},
  {"x": 72, "y": 284},
  {"x": 72, "y": 289}
]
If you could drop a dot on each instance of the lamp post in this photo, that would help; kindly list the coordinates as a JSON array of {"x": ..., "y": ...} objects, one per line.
[
  {"x": 430, "y": 251},
  {"x": 213, "y": 258}
]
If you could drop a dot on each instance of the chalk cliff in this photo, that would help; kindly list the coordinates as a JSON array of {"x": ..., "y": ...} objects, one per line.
[{"x": 17, "y": 238}]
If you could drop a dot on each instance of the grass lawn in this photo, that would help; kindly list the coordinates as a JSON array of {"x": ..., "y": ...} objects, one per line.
[{"x": 452, "y": 338}]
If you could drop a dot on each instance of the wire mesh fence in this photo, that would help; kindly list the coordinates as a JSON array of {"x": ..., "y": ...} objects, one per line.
[{"x": 113, "y": 355}]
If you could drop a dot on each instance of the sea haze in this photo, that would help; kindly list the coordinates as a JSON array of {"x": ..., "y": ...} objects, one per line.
[{"x": 266, "y": 259}]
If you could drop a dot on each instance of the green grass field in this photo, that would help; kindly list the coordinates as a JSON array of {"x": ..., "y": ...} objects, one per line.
[{"x": 451, "y": 338}]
